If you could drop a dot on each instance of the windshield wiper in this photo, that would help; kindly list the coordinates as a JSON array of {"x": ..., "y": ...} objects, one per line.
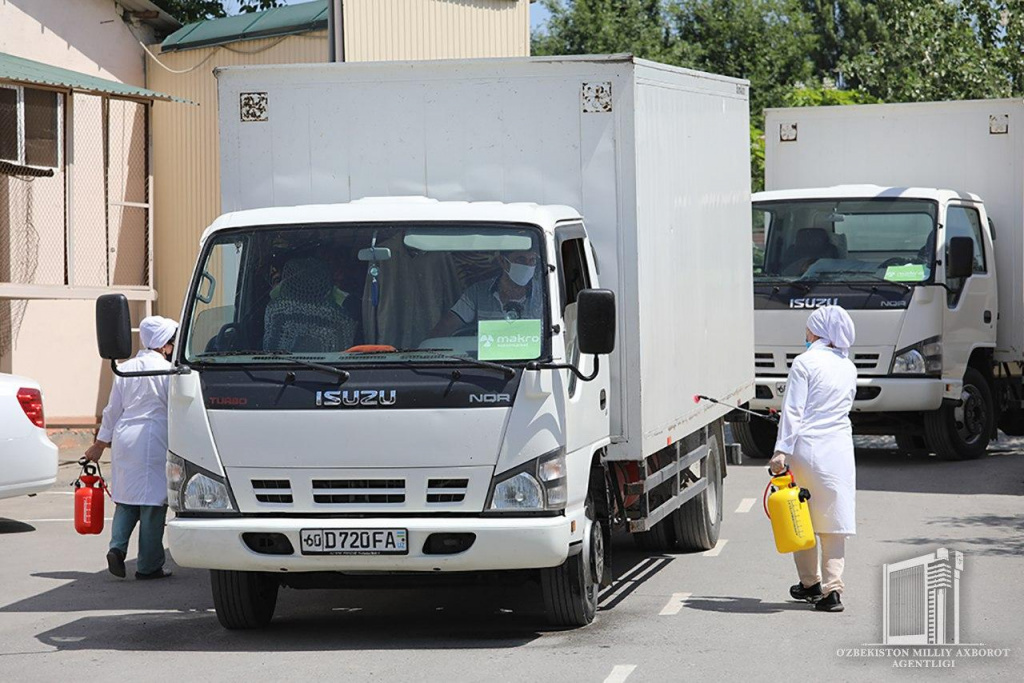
[
  {"x": 434, "y": 353},
  {"x": 779, "y": 282},
  {"x": 869, "y": 278},
  {"x": 286, "y": 356}
]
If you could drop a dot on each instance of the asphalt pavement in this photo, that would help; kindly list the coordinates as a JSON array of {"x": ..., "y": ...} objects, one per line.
[{"x": 720, "y": 615}]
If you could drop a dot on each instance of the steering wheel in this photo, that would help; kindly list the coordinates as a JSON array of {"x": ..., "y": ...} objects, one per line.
[{"x": 896, "y": 261}]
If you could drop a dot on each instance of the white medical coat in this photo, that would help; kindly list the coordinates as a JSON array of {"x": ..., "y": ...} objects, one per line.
[
  {"x": 817, "y": 438},
  {"x": 135, "y": 424}
]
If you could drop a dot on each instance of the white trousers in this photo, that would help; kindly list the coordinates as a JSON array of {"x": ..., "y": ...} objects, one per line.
[{"x": 833, "y": 558}]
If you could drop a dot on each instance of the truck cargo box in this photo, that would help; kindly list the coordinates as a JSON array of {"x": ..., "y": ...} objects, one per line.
[
  {"x": 655, "y": 158},
  {"x": 973, "y": 146}
]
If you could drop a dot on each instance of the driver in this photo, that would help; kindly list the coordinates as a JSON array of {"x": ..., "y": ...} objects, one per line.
[{"x": 514, "y": 295}]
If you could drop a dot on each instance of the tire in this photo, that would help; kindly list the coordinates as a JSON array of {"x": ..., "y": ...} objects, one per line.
[
  {"x": 963, "y": 432},
  {"x": 913, "y": 444},
  {"x": 243, "y": 600},
  {"x": 1012, "y": 422},
  {"x": 571, "y": 590},
  {"x": 698, "y": 522},
  {"x": 756, "y": 437},
  {"x": 660, "y": 539}
]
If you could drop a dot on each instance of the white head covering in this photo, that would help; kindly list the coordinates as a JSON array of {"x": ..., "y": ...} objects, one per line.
[
  {"x": 834, "y": 325},
  {"x": 155, "y": 331}
]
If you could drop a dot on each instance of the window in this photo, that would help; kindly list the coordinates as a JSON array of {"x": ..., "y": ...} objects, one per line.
[
  {"x": 575, "y": 279},
  {"x": 30, "y": 126},
  {"x": 962, "y": 221}
]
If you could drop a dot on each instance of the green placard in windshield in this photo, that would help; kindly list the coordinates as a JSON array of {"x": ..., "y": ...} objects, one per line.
[
  {"x": 508, "y": 339},
  {"x": 912, "y": 272}
]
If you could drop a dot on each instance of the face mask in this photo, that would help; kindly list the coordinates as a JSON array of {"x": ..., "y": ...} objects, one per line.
[
  {"x": 808, "y": 344},
  {"x": 520, "y": 274}
]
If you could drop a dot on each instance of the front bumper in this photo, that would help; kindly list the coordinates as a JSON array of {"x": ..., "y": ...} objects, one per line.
[
  {"x": 875, "y": 394},
  {"x": 501, "y": 543}
]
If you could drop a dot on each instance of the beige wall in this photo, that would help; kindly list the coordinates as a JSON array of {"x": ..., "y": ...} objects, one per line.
[
  {"x": 82, "y": 35},
  {"x": 186, "y": 160},
  {"x": 379, "y": 30}
]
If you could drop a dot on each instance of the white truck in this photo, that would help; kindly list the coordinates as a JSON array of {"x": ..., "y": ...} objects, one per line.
[
  {"x": 929, "y": 261},
  {"x": 397, "y": 356}
]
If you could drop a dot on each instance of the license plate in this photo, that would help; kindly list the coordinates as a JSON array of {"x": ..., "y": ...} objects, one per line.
[{"x": 354, "y": 541}]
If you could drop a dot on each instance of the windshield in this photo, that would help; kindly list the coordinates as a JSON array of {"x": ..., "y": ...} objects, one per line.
[
  {"x": 844, "y": 241},
  {"x": 357, "y": 293}
]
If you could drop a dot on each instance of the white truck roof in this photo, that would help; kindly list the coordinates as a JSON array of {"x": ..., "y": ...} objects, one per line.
[
  {"x": 864, "y": 192},
  {"x": 421, "y": 209}
]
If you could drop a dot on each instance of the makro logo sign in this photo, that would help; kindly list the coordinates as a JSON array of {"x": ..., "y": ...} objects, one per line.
[{"x": 813, "y": 302}]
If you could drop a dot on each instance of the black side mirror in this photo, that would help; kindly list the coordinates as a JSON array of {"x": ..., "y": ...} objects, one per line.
[
  {"x": 960, "y": 258},
  {"x": 595, "y": 321},
  {"x": 113, "y": 327}
]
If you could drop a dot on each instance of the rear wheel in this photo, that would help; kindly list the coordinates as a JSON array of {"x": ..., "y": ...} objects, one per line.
[
  {"x": 1012, "y": 422},
  {"x": 698, "y": 522},
  {"x": 756, "y": 437},
  {"x": 962, "y": 432},
  {"x": 243, "y": 600},
  {"x": 661, "y": 538},
  {"x": 913, "y": 444},
  {"x": 571, "y": 589}
]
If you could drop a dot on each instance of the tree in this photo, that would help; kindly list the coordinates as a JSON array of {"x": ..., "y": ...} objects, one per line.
[
  {"x": 604, "y": 27},
  {"x": 189, "y": 11}
]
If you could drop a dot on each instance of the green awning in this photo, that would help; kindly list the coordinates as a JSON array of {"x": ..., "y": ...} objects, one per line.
[
  {"x": 279, "y": 21},
  {"x": 23, "y": 71}
]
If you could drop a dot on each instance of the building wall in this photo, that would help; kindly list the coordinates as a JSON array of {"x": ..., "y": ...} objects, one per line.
[
  {"x": 379, "y": 30},
  {"x": 55, "y": 340},
  {"x": 186, "y": 158},
  {"x": 82, "y": 35}
]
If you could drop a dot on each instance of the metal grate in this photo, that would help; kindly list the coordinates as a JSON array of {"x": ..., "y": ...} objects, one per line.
[
  {"x": 866, "y": 361},
  {"x": 272, "y": 490},
  {"x": 446, "y": 490},
  {"x": 358, "y": 491}
]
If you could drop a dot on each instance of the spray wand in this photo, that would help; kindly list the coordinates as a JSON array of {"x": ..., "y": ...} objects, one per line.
[{"x": 772, "y": 416}]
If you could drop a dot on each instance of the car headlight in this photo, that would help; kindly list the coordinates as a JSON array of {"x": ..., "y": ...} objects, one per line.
[
  {"x": 193, "y": 489},
  {"x": 536, "y": 486},
  {"x": 923, "y": 358}
]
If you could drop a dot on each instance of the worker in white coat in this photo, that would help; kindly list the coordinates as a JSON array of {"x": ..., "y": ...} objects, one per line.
[
  {"x": 816, "y": 441},
  {"x": 135, "y": 425}
]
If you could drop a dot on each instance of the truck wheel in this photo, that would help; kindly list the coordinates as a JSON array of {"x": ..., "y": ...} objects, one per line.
[
  {"x": 756, "y": 437},
  {"x": 913, "y": 444},
  {"x": 571, "y": 589},
  {"x": 1012, "y": 422},
  {"x": 243, "y": 600},
  {"x": 962, "y": 432},
  {"x": 661, "y": 538},
  {"x": 699, "y": 520}
]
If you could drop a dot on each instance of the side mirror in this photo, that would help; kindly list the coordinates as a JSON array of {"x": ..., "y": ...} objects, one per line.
[
  {"x": 595, "y": 321},
  {"x": 960, "y": 258},
  {"x": 113, "y": 327}
]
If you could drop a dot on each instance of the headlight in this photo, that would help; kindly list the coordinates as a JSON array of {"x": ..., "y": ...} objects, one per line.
[
  {"x": 923, "y": 358},
  {"x": 192, "y": 489},
  {"x": 537, "y": 485}
]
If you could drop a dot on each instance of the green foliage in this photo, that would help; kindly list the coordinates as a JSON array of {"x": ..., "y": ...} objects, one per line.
[
  {"x": 826, "y": 97},
  {"x": 604, "y": 27},
  {"x": 189, "y": 11},
  {"x": 756, "y": 158}
]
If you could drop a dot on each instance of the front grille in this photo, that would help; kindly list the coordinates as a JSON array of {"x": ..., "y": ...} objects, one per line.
[
  {"x": 865, "y": 361},
  {"x": 764, "y": 360},
  {"x": 358, "y": 491},
  {"x": 272, "y": 490},
  {"x": 790, "y": 357},
  {"x": 446, "y": 490}
]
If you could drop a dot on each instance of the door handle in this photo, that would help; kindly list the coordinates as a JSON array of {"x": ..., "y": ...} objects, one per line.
[
  {"x": 988, "y": 316},
  {"x": 604, "y": 399}
]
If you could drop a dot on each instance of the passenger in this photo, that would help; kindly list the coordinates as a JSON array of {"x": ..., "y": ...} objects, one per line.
[
  {"x": 305, "y": 314},
  {"x": 515, "y": 294},
  {"x": 817, "y": 438},
  {"x": 135, "y": 423}
]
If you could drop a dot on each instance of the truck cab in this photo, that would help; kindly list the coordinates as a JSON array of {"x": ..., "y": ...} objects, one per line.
[{"x": 915, "y": 269}]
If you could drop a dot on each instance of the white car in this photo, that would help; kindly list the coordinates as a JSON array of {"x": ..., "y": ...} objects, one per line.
[{"x": 28, "y": 459}]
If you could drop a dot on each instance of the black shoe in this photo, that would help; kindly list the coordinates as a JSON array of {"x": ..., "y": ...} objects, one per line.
[
  {"x": 830, "y": 603},
  {"x": 115, "y": 562},
  {"x": 158, "y": 574},
  {"x": 812, "y": 594}
]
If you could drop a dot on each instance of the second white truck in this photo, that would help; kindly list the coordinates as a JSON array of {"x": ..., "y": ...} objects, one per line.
[
  {"x": 453, "y": 322},
  {"x": 911, "y": 216}
]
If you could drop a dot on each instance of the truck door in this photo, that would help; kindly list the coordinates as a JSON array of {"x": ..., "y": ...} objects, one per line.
[
  {"x": 971, "y": 305},
  {"x": 586, "y": 402}
]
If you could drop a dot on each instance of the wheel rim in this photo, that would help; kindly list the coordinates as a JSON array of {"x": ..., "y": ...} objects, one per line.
[
  {"x": 593, "y": 560},
  {"x": 971, "y": 416},
  {"x": 711, "y": 491}
]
